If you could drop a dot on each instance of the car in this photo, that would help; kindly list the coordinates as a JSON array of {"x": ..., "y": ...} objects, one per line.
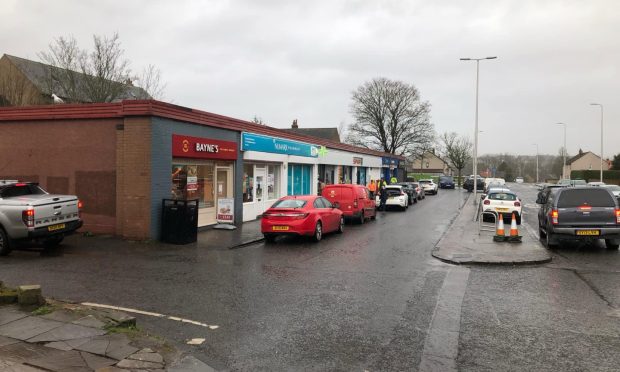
[
  {"x": 519, "y": 180},
  {"x": 396, "y": 197},
  {"x": 469, "y": 183},
  {"x": 596, "y": 184},
  {"x": 563, "y": 182},
  {"x": 503, "y": 201},
  {"x": 489, "y": 180},
  {"x": 429, "y": 186},
  {"x": 410, "y": 190},
  {"x": 615, "y": 189},
  {"x": 29, "y": 213},
  {"x": 579, "y": 213},
  {"x": 419, "y": 191},
  {"x": 574, "y": 183},
  {"x": 446, "y": 182},
  {"x": 353, "y": 200},
  {"x": 307, "y": 215}
]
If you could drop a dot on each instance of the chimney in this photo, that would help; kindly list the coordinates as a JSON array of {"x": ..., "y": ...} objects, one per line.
[
  {"x": 295, "y": 126},
  {"x": 580, "y": 152}
]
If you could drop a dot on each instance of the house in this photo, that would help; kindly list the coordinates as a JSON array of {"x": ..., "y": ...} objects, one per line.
[
  {"x": 585, "y": 161},
  {"x": 330, "y": 134},
  {"x": 430, "y": 163},
  {"x": 24, "y": 82}
]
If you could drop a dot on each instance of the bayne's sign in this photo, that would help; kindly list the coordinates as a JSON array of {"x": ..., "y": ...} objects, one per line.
[{"x": 203, "y": 148}]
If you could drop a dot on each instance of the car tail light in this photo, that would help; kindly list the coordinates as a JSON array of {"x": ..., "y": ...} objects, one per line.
[
  {"x": 80, "y": 205},
  {"x": 618, "y": 216},
  {"x": 354, "y": 203},
  {"x": 28, "y": 217},
  {"x": 554, "y": 216},
  {"x": 517, "y": 204},
  {"x": 585, "y": 208},
  {"x": 487, "y": 202}
]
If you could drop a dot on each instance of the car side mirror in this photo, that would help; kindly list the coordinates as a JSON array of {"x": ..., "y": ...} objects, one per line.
[
  {"x": 540, "y": 199},
  {"x": 336, "y": 205}
]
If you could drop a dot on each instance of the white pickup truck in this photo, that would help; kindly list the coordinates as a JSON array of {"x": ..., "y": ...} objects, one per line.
[{"x": 29, "y": 213}]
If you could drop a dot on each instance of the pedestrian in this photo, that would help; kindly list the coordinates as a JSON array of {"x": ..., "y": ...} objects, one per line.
[
  {"x": 393, "y": 180},
  {"x": 372, "y": 187},
  {"x": 382, "y": 195}
]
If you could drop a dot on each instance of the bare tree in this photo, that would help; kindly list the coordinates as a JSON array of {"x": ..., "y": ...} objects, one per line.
[
  {"x": 106, "y": 69},
  {"x": 65, "y": 58},
  {"x": 150, "y": 80},
  {"x": 458, "y": 150},
  {"x": 258, "y": 120},
  {"x": 390, "y": 117}
]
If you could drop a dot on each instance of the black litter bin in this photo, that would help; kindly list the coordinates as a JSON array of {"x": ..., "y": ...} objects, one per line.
[{"x": 179, "y": 221}]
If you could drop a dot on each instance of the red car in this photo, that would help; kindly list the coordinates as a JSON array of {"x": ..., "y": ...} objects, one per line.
[
  {"x": 353, "y": 200},
  {"x": 306, "y": 215}
]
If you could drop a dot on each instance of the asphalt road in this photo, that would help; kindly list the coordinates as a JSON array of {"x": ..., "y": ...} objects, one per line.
[{"x": 371, "y": 299}]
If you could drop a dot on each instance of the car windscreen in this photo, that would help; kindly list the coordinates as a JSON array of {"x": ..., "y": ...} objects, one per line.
[
  {"x": 446, "y": 179},
  {"x": 289, "y": 203},
  {"x": 502, "y": 196},
  {"x": 423, "y": 182},
  {"x": 579, "y": 183},
  {"x": 20, "y": 190},
  {"x": 592, "y": 197},
  {"x": 392, "y": 192}
]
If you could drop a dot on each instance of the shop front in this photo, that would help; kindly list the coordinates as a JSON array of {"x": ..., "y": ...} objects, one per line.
[
  {"x": 337, "y": 166},
  {"x": 274, "y": 167},
  {"x": 390, "y": 168},
  {"x": 203, "y": 169}
]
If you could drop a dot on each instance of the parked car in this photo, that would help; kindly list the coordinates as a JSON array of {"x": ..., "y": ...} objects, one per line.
[
  {"x": 615, "y": 189},
  {"x": 410, "y": 190},
  {"x": 353, "y": 200},
  {"x": 446, "y": 182},
  {"x": 504, "y": 201},
  {"x": 429, "y": 186},
  {"x": 29, "y": 213},
  {"x": 574, "y": 183},
  {"x": 597, "y": 184},
  {"x": 579, "y": 213},
  {"x": 469, "y": 183},
  {"x": 421, "y": 194},
  {"x": 489, "y": 180},
  {"x": 563, "y": 182},
  {"x": 306, "y": 215},
  {"x": 396, "y": 197},
  {"x": 519, "y": 180}
]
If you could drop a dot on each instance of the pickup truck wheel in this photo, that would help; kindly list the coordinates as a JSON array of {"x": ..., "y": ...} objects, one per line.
[
  {"x": 612, "y": 243},
  {"x": 52, "y": 242},
  {"x": 550, "y": 240},
  {"x": 5, "y": 243}
]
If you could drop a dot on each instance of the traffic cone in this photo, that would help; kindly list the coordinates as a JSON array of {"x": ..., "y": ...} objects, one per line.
[
  {"x": 514, "y": 230},
  {"x": 500, "y": 234}
]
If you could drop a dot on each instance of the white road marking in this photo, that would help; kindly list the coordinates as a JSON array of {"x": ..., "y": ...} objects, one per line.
[
  {"x": 157, "y": 315},
  {"x": 196, "y": 341}
]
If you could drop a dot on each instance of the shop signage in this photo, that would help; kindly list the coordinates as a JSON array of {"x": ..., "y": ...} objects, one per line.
[
  {"x": 192, "y": 183},
  {"x": 358, "y": 161},
  {"x": 389, "y": 163},
  {"x": 257, "y": 142},
  {"x": 225, "y": 210},
  {"x": 203, "y": 148}
]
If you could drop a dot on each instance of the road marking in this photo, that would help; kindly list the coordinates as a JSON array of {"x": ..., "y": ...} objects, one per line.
[
  {"x": 442, "y": 340},
  {"x": 148, "y": 313}
]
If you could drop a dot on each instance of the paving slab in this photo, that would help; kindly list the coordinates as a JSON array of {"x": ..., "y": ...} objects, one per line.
[
  {"x": 63, "y": 315},
  {"x": 67, "y": 332},
  {"x": 6, "y": 366},
  {"x": 59, "y": 345},
  {"x": 95, "y": 362},
  {"x": 28, "y": 327},
  {"x": 138, "y": 364},
  {"x": 190, "y": 364},
  {"x": 90, "y": 321},
  {"x": 463, "y": 244},
  {"x": 65, "y": 360},
  {"x": 23, "y": 351},
  {"x": 10, "y": 314},
  {"x": 147, "y": 357},
  {"x": 4, "y": 341}
]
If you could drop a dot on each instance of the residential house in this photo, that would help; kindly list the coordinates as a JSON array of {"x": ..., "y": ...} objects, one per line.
[
  {"x": 430, "y": 163},
  {"x": 330, "y": 134},
  {"x": 585, "y": 161}
]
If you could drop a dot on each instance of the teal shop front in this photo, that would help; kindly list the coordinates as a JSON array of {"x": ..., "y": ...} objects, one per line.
[{"x": 299, "y": 179}]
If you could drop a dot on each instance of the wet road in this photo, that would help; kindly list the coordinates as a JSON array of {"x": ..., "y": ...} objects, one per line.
[{"x": 364, "y": 300}]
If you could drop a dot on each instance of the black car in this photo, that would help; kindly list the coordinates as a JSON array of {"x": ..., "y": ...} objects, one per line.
[
  {"x": 411, "y": 191},
  {"x": 446, "y": 182},
  {"x": 579, "y": 213},
  {"x": 469, "y": 184}
]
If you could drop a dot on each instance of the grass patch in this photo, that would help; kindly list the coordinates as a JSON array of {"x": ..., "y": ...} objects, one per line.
[
  {"x": 131, "y": 331},
  {"x": 44, "y": 310}
]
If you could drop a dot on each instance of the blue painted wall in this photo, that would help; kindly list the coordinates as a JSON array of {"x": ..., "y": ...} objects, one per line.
[{"x": 161, "y": 163}]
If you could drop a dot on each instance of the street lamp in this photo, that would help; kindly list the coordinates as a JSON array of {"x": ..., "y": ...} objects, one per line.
[
  {"x": 476, "y": 125},
  {"x": 601, "y": 106},
  {"x": 563, "y": 151},
  {"x": 535, "y": 144}
]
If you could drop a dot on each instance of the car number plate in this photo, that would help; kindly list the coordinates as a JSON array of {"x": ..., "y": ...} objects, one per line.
[
  {"x": 56, "y": 227},
  {"x": 501, "y": 209},
  {"x": 280, "y": 228},
  {"x": 588, "y": 232}
]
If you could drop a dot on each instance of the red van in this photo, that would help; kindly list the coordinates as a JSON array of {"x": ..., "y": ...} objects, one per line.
[{"x": 353, "y": 200}]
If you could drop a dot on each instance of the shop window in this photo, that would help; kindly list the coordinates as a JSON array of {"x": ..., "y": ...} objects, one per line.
[
  {"x": 273, "y": 182},
  {"x": 248, "y": 183},
  {"x": 193, "y": 182}
]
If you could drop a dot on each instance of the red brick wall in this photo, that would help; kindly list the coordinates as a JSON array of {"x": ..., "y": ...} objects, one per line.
[{"x": 66, "y": 156}]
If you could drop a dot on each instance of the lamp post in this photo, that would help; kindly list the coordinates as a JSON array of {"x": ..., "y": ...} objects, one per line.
[
  {"x": 601, "y": 106},
  {"x": 535, "y": 144},
  {"x": 476, "y": 125},
  {"x": 563, "y": 151}
]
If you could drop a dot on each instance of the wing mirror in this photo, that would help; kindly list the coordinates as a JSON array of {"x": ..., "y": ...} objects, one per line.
[{"x": 540, "y": 199}]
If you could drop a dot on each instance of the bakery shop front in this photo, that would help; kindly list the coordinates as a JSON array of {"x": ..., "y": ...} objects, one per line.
[{"x": 203, "y": 169}]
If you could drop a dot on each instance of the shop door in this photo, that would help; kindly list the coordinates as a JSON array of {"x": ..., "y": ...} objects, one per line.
[
  {"x": 223, "y": 184},
  {"x": 260, "y": 189},
  {"x": 361, "y": 176},
  {"x": 299, "y": 177}
]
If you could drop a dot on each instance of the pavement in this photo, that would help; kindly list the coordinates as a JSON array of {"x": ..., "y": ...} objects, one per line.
[
  {"x": 463, "y": 243},
  {"x": 69, "y": 337},
  {"x": 245, "y": 234}
]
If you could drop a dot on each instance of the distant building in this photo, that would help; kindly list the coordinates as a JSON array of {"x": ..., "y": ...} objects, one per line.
[
  {"x": 585, "y": 161},
  {"x": 24, "y": 82},
  {"x": 430, "y": 163},
  {"x": 330, "y": 134}
]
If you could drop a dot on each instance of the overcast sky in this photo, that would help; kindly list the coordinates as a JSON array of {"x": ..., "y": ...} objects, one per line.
[{"x": 283, "y": 60}]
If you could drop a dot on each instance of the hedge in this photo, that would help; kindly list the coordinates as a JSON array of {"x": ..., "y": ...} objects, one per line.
[{"x": 609, "y": 176}]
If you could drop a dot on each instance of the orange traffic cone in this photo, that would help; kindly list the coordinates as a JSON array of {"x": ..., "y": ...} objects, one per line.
[
  {"x": 500, "y": 234},
  {"x": 514, "y": 230}
]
